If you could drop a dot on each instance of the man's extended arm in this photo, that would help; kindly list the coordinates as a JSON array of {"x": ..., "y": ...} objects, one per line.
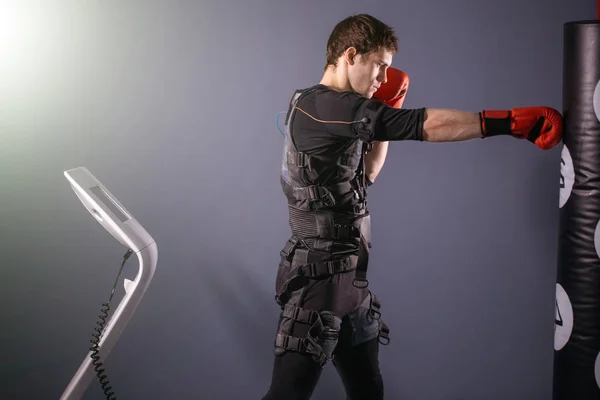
[
  {"x": 442, "y": 125},
  {"x": 540, "y": 125}
]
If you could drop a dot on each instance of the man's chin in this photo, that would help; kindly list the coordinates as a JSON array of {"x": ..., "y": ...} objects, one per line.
[{"x": 371, "y": 92}]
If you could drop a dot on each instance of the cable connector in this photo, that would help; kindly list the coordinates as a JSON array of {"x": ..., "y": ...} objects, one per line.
[{"x": 127, "y": 255}]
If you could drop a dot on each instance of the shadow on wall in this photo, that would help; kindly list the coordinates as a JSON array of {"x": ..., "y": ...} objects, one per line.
[{"x": 246, "y": 312}]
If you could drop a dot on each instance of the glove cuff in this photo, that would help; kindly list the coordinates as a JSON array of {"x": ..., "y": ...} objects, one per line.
[{"x": 494, "y": 123}]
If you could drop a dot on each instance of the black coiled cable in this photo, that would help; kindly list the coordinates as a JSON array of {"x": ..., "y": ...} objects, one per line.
[
  {"x": 96, "y": 337},
  {"x": 94, "y": 355}
]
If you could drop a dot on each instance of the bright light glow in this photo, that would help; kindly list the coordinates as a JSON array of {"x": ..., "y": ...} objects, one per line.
[
  {"x": 21, "y": 36},
  {"x": 19, "y": 28},
  {"x": 29, "y": 49}
]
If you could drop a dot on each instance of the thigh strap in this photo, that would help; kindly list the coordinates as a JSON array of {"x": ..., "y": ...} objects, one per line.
[{"x": 320, "y": 339}]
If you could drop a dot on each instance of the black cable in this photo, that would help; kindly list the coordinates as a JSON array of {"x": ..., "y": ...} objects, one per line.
[{"x": 96, "y": 340}]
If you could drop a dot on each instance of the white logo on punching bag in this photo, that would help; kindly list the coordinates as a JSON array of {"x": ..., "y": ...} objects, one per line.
[
  {"x": 596, "y": 101},
  {"x": 567, "y": 176},
  {"x": 563, "y": 318},
  {"x": 597, "y": 239},
  {"x": 597, "y": 370}
]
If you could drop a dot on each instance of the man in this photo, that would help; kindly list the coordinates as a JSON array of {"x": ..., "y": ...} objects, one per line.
[{"x": 335, "y": 144}]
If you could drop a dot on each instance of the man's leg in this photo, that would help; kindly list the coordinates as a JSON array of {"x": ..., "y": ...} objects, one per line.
[
  {"x": 358, "y": 367},
  {"x": 356, "y": 356},
  {"x": 295, "y": 377},
  {"x": 306, "y": 337}
]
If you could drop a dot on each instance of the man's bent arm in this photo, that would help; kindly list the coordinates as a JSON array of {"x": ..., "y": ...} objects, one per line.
[
  {"x": 443, "y": 125},
  {"x": 375, "y": 159}
]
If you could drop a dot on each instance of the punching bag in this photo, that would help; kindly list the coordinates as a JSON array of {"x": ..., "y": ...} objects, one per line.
[{"x": 577, "y": 313}]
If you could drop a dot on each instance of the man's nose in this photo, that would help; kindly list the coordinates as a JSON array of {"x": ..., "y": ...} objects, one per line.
[{"x": 383, "y": 77}]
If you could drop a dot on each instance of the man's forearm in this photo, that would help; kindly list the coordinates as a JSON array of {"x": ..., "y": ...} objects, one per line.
[
  {"x": 443, "y": 125},
  {"x": 375, "y": 159}
]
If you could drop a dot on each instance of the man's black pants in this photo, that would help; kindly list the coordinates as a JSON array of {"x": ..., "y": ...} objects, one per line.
[
  {"x": 355, "y": 347},
  {"x": 295, "y": 375}
]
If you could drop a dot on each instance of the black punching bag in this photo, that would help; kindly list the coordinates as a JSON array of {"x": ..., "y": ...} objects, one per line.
[{"x": 577, "y": 317}]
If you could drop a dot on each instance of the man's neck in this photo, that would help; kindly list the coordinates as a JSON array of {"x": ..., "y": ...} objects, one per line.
[{"x": 335, "y": 79}]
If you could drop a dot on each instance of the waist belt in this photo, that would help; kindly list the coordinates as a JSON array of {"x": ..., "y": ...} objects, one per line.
[{"x": 325, "y": 224}]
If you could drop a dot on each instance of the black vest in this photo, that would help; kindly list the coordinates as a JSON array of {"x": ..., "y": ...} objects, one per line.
[
  {"x": 302, "y": 174},
  {"x": 332, "y": 216}
]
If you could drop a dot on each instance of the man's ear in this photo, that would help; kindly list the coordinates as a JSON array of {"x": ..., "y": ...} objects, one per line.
[{"x": 350, "y": 55}]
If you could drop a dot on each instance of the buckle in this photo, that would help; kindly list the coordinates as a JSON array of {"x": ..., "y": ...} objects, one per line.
[
  {"x": 289, "y": 248},
  {"x": 298, "y": 158},
  {"x": 342, "y": 231},
  {"x": 318, "y": 194},
  {"x": 327, "y": 200},
  {"x": 302, "y": 160},
  {"x": 313, "y": 192},
  {"x": 346, "y": 231},
  {"x": 330, "y": 265},
  {"x": 308, "y": 270},
  {"x": 359, "y": 207},
  {"x": 374, "y": 313},
  {"x": 363, "y": 281},
  {"x": 282, "y": 341},
  {"x": 296, "y": 315},
  {"x": 385, "y": 335}
]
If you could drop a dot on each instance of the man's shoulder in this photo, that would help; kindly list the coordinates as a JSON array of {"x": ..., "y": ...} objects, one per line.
[
  {"x": 322, "y": 90},
  {"x": 321, "y": 98}
]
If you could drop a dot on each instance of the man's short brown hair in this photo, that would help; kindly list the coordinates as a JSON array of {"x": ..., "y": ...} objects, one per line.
[{"x": 364, "y": 32}]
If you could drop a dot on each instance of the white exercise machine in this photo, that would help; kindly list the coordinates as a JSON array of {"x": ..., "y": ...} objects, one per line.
[{"x": 119, "y": 222}]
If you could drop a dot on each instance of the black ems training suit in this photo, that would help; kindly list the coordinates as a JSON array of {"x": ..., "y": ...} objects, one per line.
[{"x": 327, "y": 311}]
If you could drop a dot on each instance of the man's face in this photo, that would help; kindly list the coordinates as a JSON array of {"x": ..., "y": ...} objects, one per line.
[{"x": 367, "y": 72}]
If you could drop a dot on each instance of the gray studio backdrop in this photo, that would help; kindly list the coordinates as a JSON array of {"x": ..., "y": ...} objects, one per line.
[{"x": 172, "y": 106}]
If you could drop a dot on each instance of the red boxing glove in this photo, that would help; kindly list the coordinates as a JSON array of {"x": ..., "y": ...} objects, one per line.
[
  {"x": 393, "y": 91},
  {"x": 540, "y": 125}
]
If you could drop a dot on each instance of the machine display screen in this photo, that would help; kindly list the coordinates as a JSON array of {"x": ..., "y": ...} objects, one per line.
[{"x": 110, "y": 204}]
